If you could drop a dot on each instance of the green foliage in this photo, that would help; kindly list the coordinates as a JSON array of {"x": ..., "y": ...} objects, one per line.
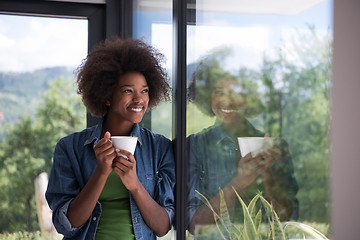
[
  {"x": 252, "y": 228},
  {"x": 161, "y": 121},
  {"x": 60, "y": 113},
  {"x": 297, "y": 100},
  {"x": 30, "y": 236},
  {"x": 27, "y": 151},
  {"x": 196, "y": 121}
]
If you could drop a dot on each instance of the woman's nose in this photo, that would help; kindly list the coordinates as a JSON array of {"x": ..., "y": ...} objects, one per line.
[{"x": 137, "y": 97}]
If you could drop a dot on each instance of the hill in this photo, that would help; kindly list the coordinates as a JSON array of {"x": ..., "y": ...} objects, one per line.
[{"x": 20, "y": 92}]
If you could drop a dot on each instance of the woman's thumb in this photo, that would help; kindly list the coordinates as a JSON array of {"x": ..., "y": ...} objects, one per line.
[{"x": 107, "y": 135}]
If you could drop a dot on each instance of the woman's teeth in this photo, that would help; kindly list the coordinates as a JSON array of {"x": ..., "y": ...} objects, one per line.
[
  {"x": 136, "y": 109},
  {"x": 227, "y": 110}
]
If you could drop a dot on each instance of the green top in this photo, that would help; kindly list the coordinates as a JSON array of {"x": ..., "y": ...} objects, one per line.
[{"x": 115, "y": 220}]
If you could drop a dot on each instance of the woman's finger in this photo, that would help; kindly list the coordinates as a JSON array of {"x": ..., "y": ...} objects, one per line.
[
  {"x": 246, "y": 158},
  {"x": 127, "y": 154},
  {"x": 103, "y": 144},
  {"x": 105, "y": 150},
  {"x": 123, "y": 164}
]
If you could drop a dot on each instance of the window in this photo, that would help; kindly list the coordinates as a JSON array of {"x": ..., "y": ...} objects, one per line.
[
  {"x": 41, "y": 43},
  {"x": 40, "y": 55},
  {"x": 256, "y": 70}
]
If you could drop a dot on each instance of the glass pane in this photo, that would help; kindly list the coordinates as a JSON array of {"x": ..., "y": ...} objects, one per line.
[
  {"x": 257, "y": 116},
  {"x": 38, "y": 105},
  {"x": 152, "y": 22}
]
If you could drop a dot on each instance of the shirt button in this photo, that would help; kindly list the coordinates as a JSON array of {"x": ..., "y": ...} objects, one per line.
[{"x": 94, "y": 218}]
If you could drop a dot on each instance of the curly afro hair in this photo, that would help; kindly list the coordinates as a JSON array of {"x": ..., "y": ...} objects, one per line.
[{"x": 98, "y": 74}]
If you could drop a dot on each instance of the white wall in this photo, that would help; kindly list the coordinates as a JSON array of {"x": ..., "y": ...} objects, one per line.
[{"x": 345, "y": 132}]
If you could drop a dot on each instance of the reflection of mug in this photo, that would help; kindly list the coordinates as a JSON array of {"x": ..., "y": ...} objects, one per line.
[
  {"x": 127, "y": 143},
  {"x": 251, "y": 144}
]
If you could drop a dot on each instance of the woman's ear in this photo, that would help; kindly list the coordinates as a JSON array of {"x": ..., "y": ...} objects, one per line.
[{"x": 107, "y": 103}]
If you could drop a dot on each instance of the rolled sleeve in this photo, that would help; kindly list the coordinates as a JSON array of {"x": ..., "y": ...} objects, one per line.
[
  {"x": 171, "y": 213},
  {"x": 63, "y": 220},
  {"x": 165, "y": 196}
]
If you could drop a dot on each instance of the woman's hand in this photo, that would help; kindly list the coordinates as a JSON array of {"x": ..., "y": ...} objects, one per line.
[
  {"x": 270, "y": 155},
  {"x": 126, "y": 169},
  {"x": 105, "y": 154},
  {"x": 248, "y": 170},
  {"x": 154, "y": 215},
  {"x": 82, "y": 205},
  {"x": 274, "y": 190}
]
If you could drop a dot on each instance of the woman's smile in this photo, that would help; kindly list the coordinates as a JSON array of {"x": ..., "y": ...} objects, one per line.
[
  {"x": 136, "y": 109},
  {"x": 229, "y": 110}
]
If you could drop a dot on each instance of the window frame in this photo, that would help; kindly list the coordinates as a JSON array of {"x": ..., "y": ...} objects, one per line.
[{"x": 179, "y": 112}]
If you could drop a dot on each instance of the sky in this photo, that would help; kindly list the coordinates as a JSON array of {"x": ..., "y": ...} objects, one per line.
[
  {"x": 249, "y": 36},
  {"x": 30, "y": 43}
]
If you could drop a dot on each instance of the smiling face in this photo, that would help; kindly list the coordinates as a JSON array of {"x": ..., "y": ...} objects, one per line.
[
  {"x": 130, "y": 99},
  {"x": 228, "y": 102}
]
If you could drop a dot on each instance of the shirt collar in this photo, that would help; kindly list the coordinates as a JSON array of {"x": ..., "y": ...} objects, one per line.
[
  {"x": 219, "y": 133},
  {"x": 136, "y": 132},
  {"x": 95, "y": 136}
]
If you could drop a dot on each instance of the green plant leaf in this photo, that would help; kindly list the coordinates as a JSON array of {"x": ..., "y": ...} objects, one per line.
[
  {"x": 217, "y": 218},
  {"x": 257, "y": 216},
  {"x": 276, "y": 227},
  {"x": 257, "y": 220},
  {"x": 307, "y": 229},
  {"x": 249, "y": 226},
  {"x": 224, "y": 214},
  {"x": 252, "y": 206},
  {"x": 236, "y": 232}
]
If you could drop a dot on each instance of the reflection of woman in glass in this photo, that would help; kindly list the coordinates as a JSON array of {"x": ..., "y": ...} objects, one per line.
[
  {"x": 215, "y": 159},
  {"x": 93, "y": 192}
]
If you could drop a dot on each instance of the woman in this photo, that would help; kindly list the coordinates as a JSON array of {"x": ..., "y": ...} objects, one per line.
[
  {"x": 93, "y": 192},
  {"x": 214, "y": 157}
]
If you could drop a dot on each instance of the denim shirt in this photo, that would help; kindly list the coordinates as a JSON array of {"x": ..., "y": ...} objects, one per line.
[{"x": 75, "y": 161}]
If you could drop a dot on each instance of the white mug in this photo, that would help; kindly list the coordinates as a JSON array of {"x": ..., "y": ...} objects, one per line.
[
  {"x": 253, "y": 145},
  {"x": 127, "y": 143}
]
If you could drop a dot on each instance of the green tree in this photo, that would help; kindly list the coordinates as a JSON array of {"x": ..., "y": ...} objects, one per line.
[
  {"x": 27, "y": 151},
  {"x": 61, "y": 112},
  {"x": 297, "y": 100}
]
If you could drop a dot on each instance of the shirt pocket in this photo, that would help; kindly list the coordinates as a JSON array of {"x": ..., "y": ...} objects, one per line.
[{"x": 151, "y": 183}]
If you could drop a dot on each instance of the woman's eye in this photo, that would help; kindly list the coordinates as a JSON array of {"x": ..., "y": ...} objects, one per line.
[
  {"x": 145, "y": 91},
  {"x": 127, "y": 91}
]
